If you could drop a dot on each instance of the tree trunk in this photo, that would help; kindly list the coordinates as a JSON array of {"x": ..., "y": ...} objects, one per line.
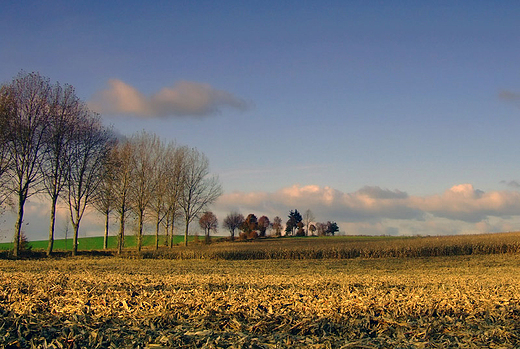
[
  {"x": 157, "y": 224},
  {"x": 105, "y": 240},
  {"x": 186, "y": 232},
  {"x": 171, "y": 233},
  {"x": 167, "y": 233},
  {"x": 75, "y": 226},
  {"x": 52, "y": 225},
  {"x": 18, "y": 226},
  {"x": 140, "y": 233},
  {"x": 121, "y": 236}
]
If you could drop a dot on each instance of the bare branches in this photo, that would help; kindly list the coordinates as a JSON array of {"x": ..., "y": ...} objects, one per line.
[
  {"x": 232, "y": 222},
  {"x": 51, "y": 142},
  {"x": 65, "y": 112},
  {"x": 146, "y": 159},
  {"x": 5, "y": 156},
  {"x": 277, "y": 226},
  {"x": 121, "y": 157},
  {"x": 164, "y": 175},
  {"x": 89, "y": 150},
  {"x": 26, "y": 108},
  {"x": 161, "y": 180},
  {"x": 209, "y": 222},
  {"x": 104, "y": 197},
  {"x": 174, "y": 187},
  {"x": 199, "y": 190},
  {"x": 308, "y": 218}
]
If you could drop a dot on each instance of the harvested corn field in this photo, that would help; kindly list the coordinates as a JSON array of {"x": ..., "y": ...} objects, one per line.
[
  {"x": 438, "y": 302},
  {"x": 345, "y": 247}
]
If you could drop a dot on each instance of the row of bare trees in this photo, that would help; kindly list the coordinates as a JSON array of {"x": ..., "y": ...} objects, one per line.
[
  {"x": 52, "y": 144},
  {"x": 155, "y": 181}
]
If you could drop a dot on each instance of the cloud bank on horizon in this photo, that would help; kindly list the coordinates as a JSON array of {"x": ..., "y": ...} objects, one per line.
[
  {"x": 185, "y": 98},
  {"x": 373, "y": 210}
]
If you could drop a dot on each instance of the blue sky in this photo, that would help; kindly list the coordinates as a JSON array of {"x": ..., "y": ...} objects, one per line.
[{"x": 361, "y": 100}]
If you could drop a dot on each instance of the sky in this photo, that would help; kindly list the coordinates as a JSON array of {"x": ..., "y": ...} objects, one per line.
[{"x": 388, "y": 117}]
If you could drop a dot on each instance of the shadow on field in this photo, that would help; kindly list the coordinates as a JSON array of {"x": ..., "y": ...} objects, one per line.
[{"x": 38, "y": 254}]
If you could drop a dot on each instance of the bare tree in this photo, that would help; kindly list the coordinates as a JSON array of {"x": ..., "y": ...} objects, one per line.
[
  {"x": 104, "y": 200},
  {"x": 145, "y": 161},
  {"x": 162, "y": 173},
  {"x": 174, "y": 188},
  {"x": 321, "y": 228},
  {"x": 277, "y": 226},
  {"x": 232, "y": 222},
  {"x": 121, "y": 155},
  {"x": 308, "y": 218},
  {"x": 65, "y": 108},
  {"x": 199, "y": 190},
  {"x": 5, "y": 157},
  {"x": 26, "y": 102},
  {"x": 209, "y": 222},
  {"x": 88, "y": 153}
]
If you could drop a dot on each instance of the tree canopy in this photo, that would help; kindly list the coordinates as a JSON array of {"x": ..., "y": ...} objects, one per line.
[{"x": 292, "y": 223}]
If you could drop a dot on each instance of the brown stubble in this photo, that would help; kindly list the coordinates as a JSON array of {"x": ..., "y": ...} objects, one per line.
[{"x": 423, "y": 302}]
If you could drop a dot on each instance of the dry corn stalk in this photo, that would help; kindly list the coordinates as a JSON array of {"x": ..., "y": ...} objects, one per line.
[{"x": 361, "y": 303}]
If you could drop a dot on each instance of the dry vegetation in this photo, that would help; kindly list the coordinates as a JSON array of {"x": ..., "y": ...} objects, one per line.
[
  {"x": 345, "y": 247},
  {"x": 435, "y": 302}
]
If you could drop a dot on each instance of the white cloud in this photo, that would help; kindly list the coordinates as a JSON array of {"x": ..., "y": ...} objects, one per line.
[
  {"x": 182, "y": 99},
  {"x": 465, "y": 203},
  {"x": 460, "y": 209},
  {"x": 369, "y": 203}
]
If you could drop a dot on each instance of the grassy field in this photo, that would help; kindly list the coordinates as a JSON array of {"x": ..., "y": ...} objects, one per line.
[
  {"x": 93, "y": 243},
  {"x": 435, "y": 302},
  {"x": 96, "y": 242}
]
